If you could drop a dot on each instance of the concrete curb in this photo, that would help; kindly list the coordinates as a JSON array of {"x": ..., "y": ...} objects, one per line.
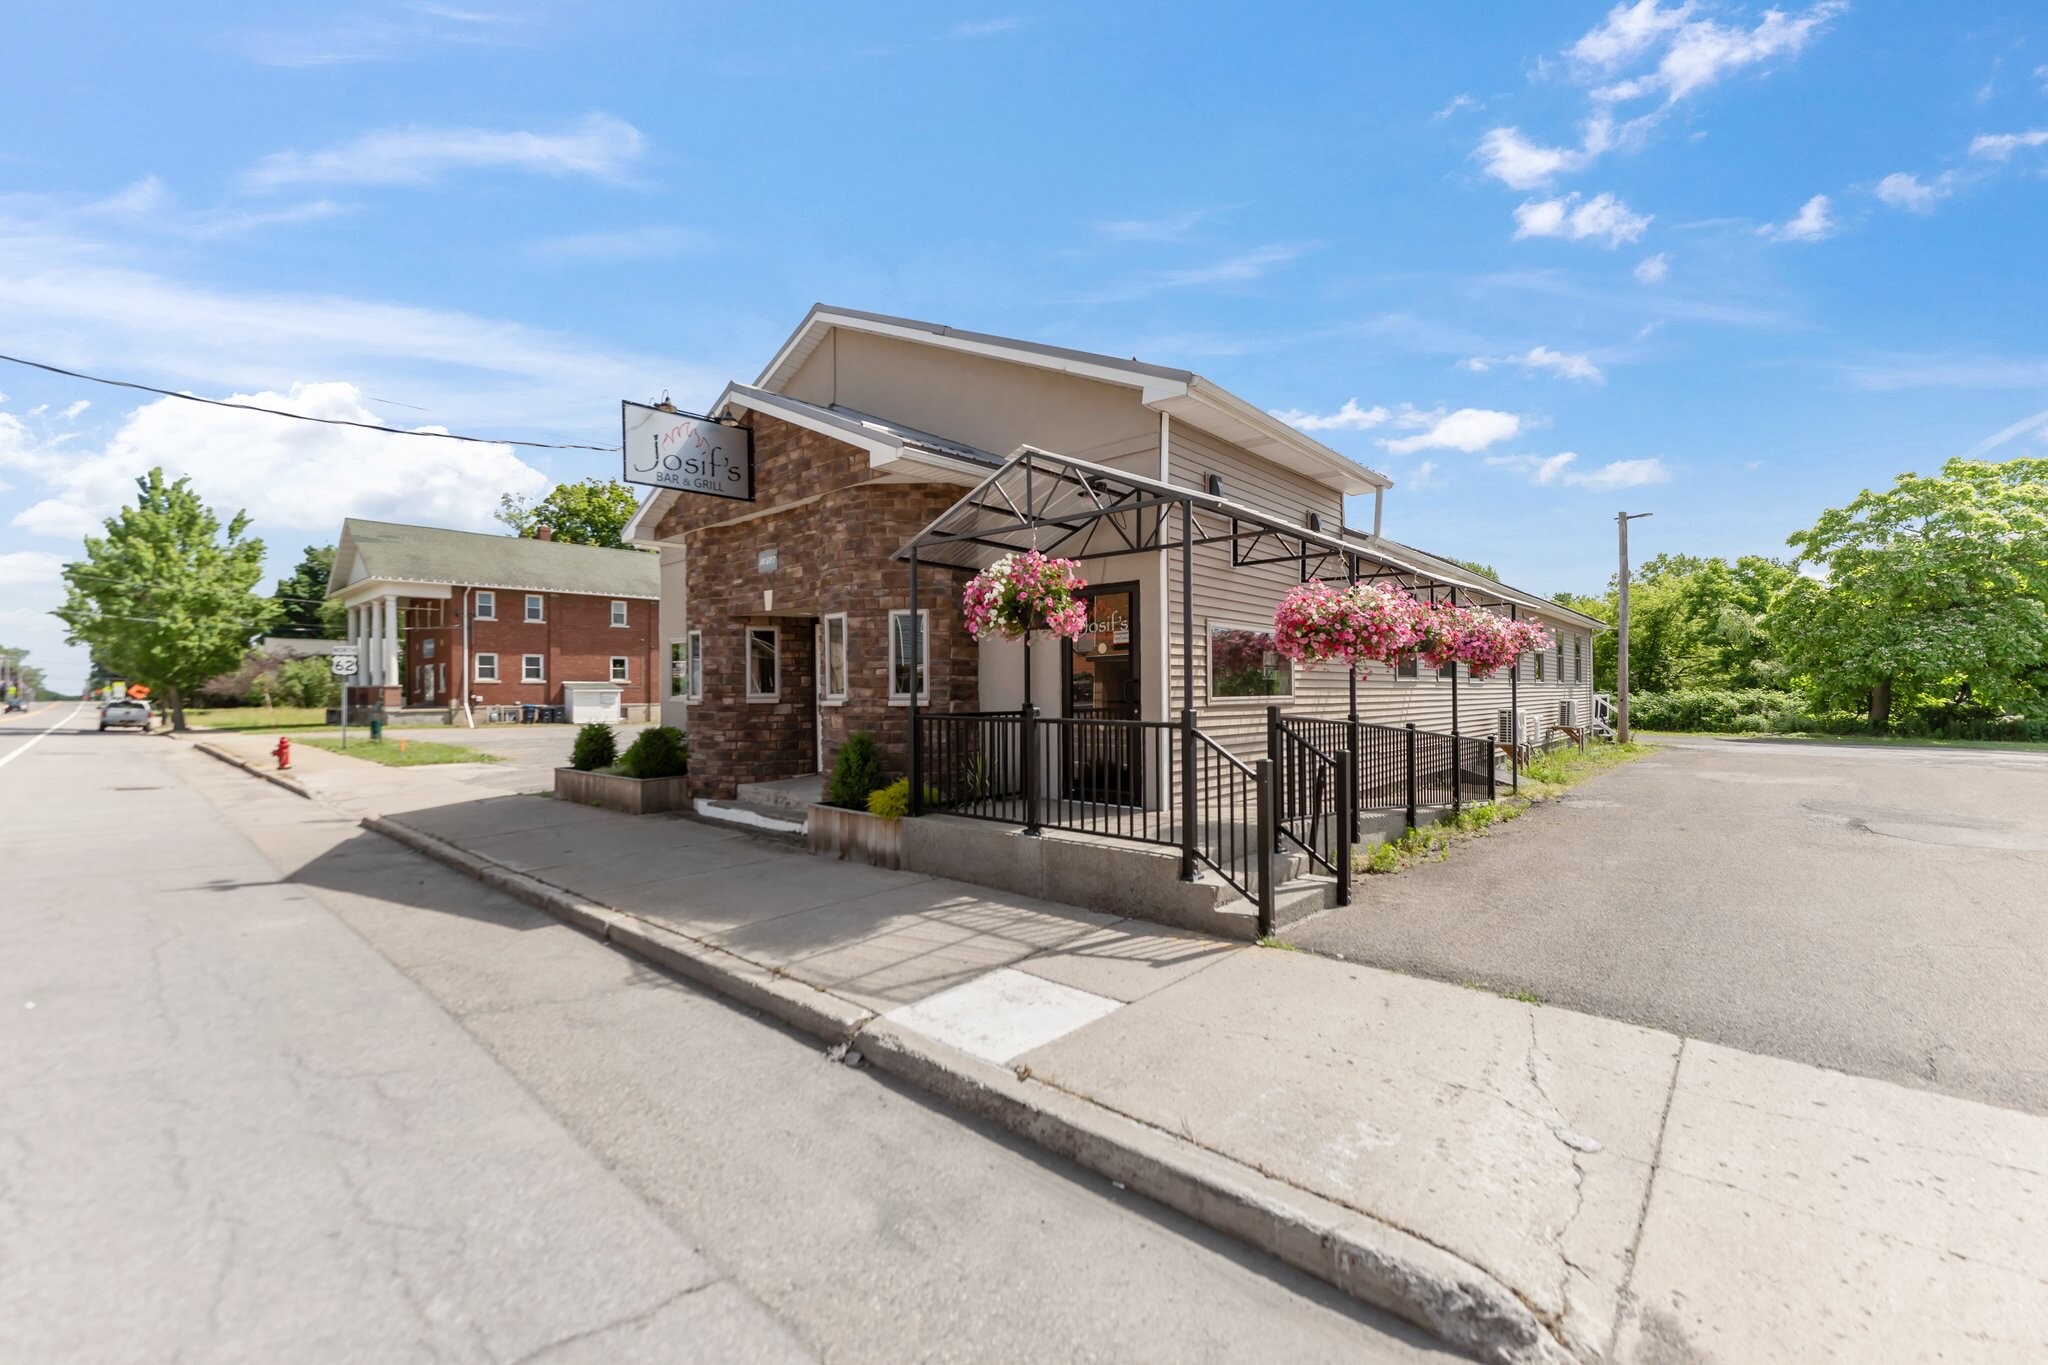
[
  {"x": 1372, "y": 1261},
  {"x": 290, "y": 784}
]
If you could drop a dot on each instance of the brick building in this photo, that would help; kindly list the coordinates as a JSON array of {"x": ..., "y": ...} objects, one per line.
[
  {"x": 786, "y": 619},
  {"x": 439, "y": 616}
]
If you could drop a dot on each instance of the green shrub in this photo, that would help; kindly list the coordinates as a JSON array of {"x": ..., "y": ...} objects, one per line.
[
  {"x": 305, "y": 682},
  {"x": 596, "y": 747},
  {"x": 856, "y": 772},
  {"x": 893, "y": 801},
  {"x": 661, "y": 751}
]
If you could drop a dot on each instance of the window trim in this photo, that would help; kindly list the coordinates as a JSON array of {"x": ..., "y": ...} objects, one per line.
[
  {"x": 621, "y": 668},
  {"x": 493, "y": 657},
  {"x": 485, "y": 605},
  {"x": 826, "y": 696},
  {"x": 1578, "y": 658},
  {"x": 621, "y": 614},
  {"x": 536, "y": 602},
  {"x": 775, "y": 634},
  {"x": 1538, "y": 657},
  {"x": 693, "y": 666},
  {"x": 1210, "y": 626},
  {"x": 921, "y": 666},
  {"x": 541, "y": 675},
  {"x": 1409, "y": 672}
]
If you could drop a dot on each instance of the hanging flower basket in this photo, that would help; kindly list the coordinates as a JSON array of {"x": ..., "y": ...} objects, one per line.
[
  {"x": 1318, "y": 624},
  {"x": 1488, "y": 642},
  {"x": 1019, "y": 594}
]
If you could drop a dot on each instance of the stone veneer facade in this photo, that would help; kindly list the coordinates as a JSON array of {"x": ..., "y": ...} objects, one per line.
[{"x": 835, "y": 529}]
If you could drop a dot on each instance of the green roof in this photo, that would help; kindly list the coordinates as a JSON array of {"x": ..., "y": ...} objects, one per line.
[{"x": 427, "y": 554}]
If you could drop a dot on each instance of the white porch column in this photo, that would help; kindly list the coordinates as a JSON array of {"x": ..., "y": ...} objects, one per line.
[
  {"x": 355, "y": 638},
  {"x": 391, "y": 677}
]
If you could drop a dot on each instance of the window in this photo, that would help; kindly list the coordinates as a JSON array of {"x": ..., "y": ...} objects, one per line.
[
  {"x": 1539, "y": 665},
  {"x": 1243, "y": 663},
  {"x": 535, "y": 607},
  {"x": 427, "y": 648},
  {"x": 619, "y": 614},
  {"x": 910, "y": 655},
  {"x": 834, "y": 678},
  {"x": 679, "y": 668},
  {"x": 618, "y": 668},
  {"x": 1578, "y": 658},
  {"x": 696, "y": 692},
  {"x": 1449, "y": 671},
  {"x": 1408, "y": 669},
  {"x": 764, "y": 663},
  {"x": 487, "y": 606},
  {"x": 444, "y": 678},
  {"x": 1560, "y": 656},
  {"x": 486, "y": 668},
  {"x": 532, "y": 668}
]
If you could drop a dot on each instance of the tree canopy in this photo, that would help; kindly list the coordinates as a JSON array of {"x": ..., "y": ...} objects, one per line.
[
  {"x": 592, "y": 512},
  {"x": 21, "y": 673},
  {"x": 167, "y": 595},
  {"x": 1933, "y": 591},
  {"x": 302, "y": 606}
]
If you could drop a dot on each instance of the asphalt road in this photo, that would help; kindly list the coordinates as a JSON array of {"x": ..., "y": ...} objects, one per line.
[
  {"x": 1881, "y": 911},
  {"x": 272, "y": 1088}
]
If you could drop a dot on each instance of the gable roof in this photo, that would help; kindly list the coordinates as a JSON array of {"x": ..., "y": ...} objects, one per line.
[
  {"x": 1182, "y": 393},
  {"x": 394, "y": 552}
]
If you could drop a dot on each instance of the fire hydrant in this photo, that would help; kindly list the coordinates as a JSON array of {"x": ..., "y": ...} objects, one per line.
[{"x": 283, "y": 751}]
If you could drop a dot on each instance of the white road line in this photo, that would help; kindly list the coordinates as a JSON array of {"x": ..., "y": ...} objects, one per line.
[{"x": 8, "y": 758}]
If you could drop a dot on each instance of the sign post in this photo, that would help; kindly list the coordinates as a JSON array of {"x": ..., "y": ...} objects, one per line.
[
  {"x": 344, "y": 663},
  {"x": 668, "y": 448}
]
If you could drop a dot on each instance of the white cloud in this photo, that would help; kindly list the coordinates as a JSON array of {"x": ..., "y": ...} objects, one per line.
[
  {"x": 1653, "y": 269},
  {"x": 80, "y": 406},
  {"x": 1467, "y": 429},
  {"x": 986, "y": 28},
  {"x": 1602, "y": 216},
  {"x": 1560, "y": 363},
  {"x": 1999, "y": 146},
  {"x": 1904, "y": 191},
  {"x": 1423, "y": 476},
  {"x": 1170, "y": 227},
  {"x": 1557, "y": 470},
  {"x": 1811, "y": 224},
  {"x": 597, "y": 145},
  {"x": 29, "y": 568},
  {"x": 298, "y": 476},
  {"x": 623, "y": 244},
  {"x": 1239, "y": 269},
  {"x": 1460, "y": 102},
  {"x": 1521, "y": 164},
  {"x": 1627, "y": 33},
  {"x": 1350, "y": 417},
  {"x": 473, "y": 373},
  {"x": 1697, "y": 53}
]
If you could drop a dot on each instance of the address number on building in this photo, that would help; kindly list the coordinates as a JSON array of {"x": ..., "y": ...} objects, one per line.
[{"x": 685, "y": 452}]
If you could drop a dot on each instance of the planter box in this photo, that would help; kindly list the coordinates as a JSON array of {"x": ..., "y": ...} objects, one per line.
[
  {"x": 856, "y": 835},
  {"x": 629, "y": 795}
]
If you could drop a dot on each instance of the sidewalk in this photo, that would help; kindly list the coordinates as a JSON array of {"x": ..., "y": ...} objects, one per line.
[{"x": 1529, "y": 1183}]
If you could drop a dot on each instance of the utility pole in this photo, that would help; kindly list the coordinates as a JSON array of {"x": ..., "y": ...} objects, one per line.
[{"x": 1622, "y": 519}]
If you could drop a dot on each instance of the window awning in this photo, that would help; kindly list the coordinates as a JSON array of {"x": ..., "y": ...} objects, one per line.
[{"x": 1078, "y": 510}]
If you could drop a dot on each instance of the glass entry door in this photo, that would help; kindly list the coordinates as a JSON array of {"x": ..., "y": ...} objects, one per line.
[{"x": 1104, "y": 675}]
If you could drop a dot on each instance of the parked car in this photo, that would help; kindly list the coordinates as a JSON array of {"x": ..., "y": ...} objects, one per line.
[{"x": 126, "y": 711}]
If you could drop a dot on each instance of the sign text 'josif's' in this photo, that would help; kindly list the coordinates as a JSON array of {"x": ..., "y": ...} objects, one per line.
[{"x": 691, "y": 454}]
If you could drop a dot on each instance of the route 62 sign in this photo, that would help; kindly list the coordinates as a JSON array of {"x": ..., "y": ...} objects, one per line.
[
  {"x": 665, "y": 448},
  {"x": 344, "y": 665}
]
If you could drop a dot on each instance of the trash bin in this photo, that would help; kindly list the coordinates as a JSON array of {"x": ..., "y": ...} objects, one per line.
[{"x": 528, "y": 713}]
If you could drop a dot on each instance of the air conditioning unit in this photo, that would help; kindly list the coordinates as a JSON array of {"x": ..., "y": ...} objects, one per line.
[
  {"x": 1568, "y": 713},
  {"x": 1514, "y": 727}
]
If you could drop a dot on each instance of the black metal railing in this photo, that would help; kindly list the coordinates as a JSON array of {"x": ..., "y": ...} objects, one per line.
[
  {"x": 1314, "y": 792},
  {"x": 1171, "y": 784}
]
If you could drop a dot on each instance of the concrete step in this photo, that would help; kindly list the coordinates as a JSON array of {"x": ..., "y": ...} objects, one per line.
[
  {"x": 789, "y": 793},
  {"x": 754, "y": 815}
]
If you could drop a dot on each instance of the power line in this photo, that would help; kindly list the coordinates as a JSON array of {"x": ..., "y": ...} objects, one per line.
[{"x": 300, "y": 416}]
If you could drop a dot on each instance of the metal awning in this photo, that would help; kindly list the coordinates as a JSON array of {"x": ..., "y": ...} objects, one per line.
[{"x": 1078, "y": 510}]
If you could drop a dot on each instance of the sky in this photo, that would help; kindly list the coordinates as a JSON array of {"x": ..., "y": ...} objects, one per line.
[{"x": 1540, "y": 264}]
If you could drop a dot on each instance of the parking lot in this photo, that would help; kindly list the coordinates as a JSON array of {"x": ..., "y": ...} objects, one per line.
[{"x": 1881, "y": 911}]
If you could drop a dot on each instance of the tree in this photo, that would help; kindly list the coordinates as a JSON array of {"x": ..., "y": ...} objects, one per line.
[
  {"x": 167, "y": 596},
  {"x": 1483, "y": 570},
  {"x": 17, "y": 672},
  {"x": 1930, "y": 591},
  {"x": 593, "y": 512},
  {"x": 1694, "y": 621},
  {"x": 303, "y": 610}
]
